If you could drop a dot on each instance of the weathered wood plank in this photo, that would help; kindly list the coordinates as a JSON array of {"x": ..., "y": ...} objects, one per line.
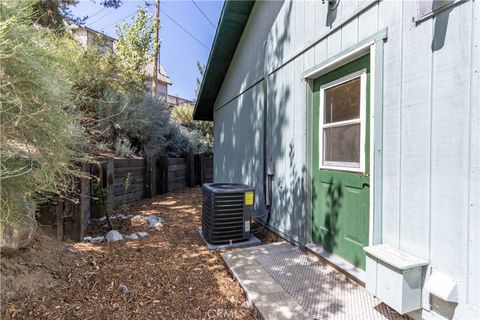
[
  {"x": 175, "y": 174},
  {"x": 132, "y": 180},
  {"x": 190, "y": 170},
  {"x": 177, "y": 167},
  {"x": 125, "y": 163},
  {"x": 173, "y": 161},
  {"x": 177, "y": 180},
  {"x": 129, "y": 197},
  {"x": 122, "y": 172},
  {"x": 59, "y": 221},
  {"x": 176, "y": 186},
  {"x": 110, "y": 174},
  {"x": 162, "y": 175},
  {"x": 151, "y": 185},
  {"x": 85, "y": 202},
  {"x": 120, "y": 190}
]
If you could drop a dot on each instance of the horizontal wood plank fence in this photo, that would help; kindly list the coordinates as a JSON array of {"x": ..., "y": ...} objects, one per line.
[
  {"x": 120, "y": 182},
  {"x": 68, "y": 217}
]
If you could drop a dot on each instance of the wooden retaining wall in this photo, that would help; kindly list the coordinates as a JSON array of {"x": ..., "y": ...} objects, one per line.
[
  {"x": 67, "y": 217},
  {"x": 124, "y": 181},
  {"x": 129, "y": 182},
  {"x": 177, "y": 173}
]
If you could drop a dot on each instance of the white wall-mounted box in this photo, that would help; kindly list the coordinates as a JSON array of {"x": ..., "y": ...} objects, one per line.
[
  {"x": 442, "y": 286},
  {"x": 395, "y": 277}
]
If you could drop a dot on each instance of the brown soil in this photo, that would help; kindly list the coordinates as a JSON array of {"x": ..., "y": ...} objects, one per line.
[{"x": 169, "y": 274}]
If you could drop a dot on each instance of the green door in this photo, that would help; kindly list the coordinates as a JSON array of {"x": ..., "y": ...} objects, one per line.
[{"x": 340, "y": 164}]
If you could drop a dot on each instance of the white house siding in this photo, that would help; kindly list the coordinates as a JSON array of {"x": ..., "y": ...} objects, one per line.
[
  {"x": 431, "y": 131},
  {"x": 238, "y": 143}
]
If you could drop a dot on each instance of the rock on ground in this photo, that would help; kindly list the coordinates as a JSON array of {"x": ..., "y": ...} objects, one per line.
[
  {"x": 113, "y": 236},
  {"x": 14, "y": 238},
  {"x": 142, "y": 234},
  {"x": 97, "y": 239},
  {"x": 158, "y": 271},
  {"x": 154, "y": 222},
  {"x": 122, "y": 288},
  {"x": 132, "y": 236}
]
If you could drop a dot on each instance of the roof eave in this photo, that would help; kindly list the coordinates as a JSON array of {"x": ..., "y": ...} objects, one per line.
[{"x": 230, "y": 28}]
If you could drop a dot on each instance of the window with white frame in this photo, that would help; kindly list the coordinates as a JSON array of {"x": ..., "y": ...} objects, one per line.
[{"x": 342, "y": 123}]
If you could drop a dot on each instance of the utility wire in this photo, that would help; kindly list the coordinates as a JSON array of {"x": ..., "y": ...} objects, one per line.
[
  {"x": 203, "y": 13},
  {"x": 131, "y": 14},
  {"x": 168, "y": 16},
  {"x": 96, "y": 13},
  {"x": 102, "y": 16},
  {"x": 185, "y": 30}
]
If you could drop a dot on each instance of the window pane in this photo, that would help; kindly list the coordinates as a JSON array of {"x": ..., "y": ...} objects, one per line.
[
  {"x": 342, "y": 102},
  {"x": 342, "y": 144}
]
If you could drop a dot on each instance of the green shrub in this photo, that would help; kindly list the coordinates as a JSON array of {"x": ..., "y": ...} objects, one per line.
[
  {"x": 41, "y": 134},
  {"x": 103, "y": 146},
  {"x": 123, "y": 147},
  {"x": 178, "y": 142},
  {"x": 144, "y": 123},
  {"x": 203, "y": 130},
  {"x": 94, "y": 72},
  {"x": 132, "y": 50}
]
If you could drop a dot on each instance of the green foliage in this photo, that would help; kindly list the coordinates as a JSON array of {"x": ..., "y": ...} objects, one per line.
[
  {"x": 123, "y": 209},
  {"x": 132, "y": 49},
  {"x": 103, "y": 146},
  {"x": 100, "y": 196},
  {"x": 183, "y": 115},
  {"x": 93, "y": 71},
  {"x": 178, "y": 141},
  {"x": 201, "y": 70},
  {"x": 123, "y": 147},
  {"x": 53, "y": 13},
  {"x": 145, "y": 123},
  {"x": 128, "y": 181},
  {"x": 41, "y": 135}
]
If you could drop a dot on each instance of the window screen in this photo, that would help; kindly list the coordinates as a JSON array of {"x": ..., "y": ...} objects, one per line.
[
  {"x": 342, "y": 102},
  {"x": 342, "y": 144},
  {"x": 341, "y": 125}
]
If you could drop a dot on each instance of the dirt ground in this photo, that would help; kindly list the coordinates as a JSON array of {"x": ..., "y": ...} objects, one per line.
[{"x": 169, "y": 274}]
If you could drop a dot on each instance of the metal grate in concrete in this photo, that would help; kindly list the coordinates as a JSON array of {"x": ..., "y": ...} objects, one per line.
[{"x": 322, "y": 291}]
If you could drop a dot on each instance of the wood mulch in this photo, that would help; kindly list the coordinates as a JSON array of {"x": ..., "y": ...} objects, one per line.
[{"x": 169, "y": 274}]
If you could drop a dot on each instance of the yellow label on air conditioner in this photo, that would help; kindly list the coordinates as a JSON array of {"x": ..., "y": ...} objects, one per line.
[{"x": 249, "y": 198}]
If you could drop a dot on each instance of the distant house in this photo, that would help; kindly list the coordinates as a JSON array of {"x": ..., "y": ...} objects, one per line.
[
  {"x": 88, "y": 36},
  {"x": 163, "y": 81},
  {"x": 174, "y": 100},
  {"x": 357, "y": 122}
]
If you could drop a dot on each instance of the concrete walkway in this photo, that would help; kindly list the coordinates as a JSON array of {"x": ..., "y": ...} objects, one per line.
[{"x": 283, "y": 282}]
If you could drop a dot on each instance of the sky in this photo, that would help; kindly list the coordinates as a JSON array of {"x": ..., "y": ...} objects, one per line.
[{"x": 179, "y": 51}]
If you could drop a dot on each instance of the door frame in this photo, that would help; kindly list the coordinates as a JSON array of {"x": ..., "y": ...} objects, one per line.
[{"x": 374, "y": 45}]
